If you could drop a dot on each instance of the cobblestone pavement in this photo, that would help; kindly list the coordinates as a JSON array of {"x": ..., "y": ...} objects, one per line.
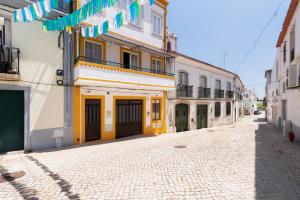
[{"x": 249, "y": 160}]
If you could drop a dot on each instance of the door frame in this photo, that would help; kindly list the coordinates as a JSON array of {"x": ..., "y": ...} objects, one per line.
[
  {"x": 26, "y": 90},
  {"x": 102, "y": 110},
  {"x": 188, "y": 115},
  {"x": 206, "y": 105},
  {"x": 144, "y": 101}
]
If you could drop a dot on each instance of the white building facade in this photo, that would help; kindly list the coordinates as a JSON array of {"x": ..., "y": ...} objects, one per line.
[
  {"x": 122, "y": 78},
  {"x": 34, "y": 113},
  {"x": 283, "y": 88},
  {"x": 205, "y": 96}
]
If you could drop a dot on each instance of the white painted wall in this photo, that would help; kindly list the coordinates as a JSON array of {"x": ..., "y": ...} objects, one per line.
[{"x": 142, "y": 33}]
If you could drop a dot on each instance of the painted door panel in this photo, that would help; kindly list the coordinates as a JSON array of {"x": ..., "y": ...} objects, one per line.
[
  {"x": 201, "y": 116},
  {"x": 129, "y": 118},
  {"x": 92, "y": 119},
  {"x": 11, "y": 120},
  {"x": 181, "y": 115}
]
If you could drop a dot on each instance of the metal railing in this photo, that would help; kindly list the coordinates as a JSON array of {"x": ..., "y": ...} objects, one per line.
[
  {"x": 115, "y": 64},
  {"x": 9, "y": 60},
  {"x": 219, "y": 94},
  {"x": 204, "y": 93},
  {"x": 229, "y": 94},
  {"x": 184, "y": 91}
]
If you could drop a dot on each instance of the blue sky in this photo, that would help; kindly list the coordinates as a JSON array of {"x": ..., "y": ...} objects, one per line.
[{"x": 208, "y": 28}]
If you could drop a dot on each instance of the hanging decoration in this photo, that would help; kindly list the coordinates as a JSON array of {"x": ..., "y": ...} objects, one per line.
[
  {"x": 78, "y": 16},
  {"x": 35, "y": 11},
  {"x": 121, "y": 19}
]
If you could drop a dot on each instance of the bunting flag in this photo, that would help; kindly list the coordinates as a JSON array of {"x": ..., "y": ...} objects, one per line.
[
  {"x": 36, "y": 10},
  {"x": 134, "y": 11},
  {"x": 90, "y": 9}
]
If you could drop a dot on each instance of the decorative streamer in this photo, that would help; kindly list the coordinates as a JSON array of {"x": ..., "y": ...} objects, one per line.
[
  {"x": 35, "y": 11},
  {"x": 117, "y": 22}
]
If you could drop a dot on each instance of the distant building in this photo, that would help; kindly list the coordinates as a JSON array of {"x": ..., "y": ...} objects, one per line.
[{"x": 250, "y": 101}]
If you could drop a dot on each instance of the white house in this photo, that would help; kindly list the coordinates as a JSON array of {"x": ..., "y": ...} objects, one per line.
[
  {"x": 33, "y": 109},
  {"x": 284, "y": 84},
  {"x": 205, "y": 95},
  {"x": 122, "y": 78},
  {"x": 250, "y": 101}
]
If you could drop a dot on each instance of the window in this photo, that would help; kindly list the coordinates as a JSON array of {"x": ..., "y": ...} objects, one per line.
[
  {"x": 183, "y": 78},
  {"x": 217, "y": 109},
  {"x": 203, "y": 82},
  {"x": 284, "y": 111},
  {"x": 130, "y": 60},
  {"x": 228, "y": 108},
  {"x": 156, "y": 65},
  {"x": 228, "y": 86},
  {"x": 155, "y": 109},
  {"x": 156, "y": 24},
  {"x": 284, "y": 52},
  {"x": 218, "y": 84},
  {"x": 93, "y": 51},
  {"x": 138, "y": 20}
]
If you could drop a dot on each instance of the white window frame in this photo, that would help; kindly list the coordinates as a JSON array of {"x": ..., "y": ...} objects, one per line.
[
  {"x": 156, "y": 68},
  {"x": 154, "y": 32},
  {"x": 140, "y": 18}
]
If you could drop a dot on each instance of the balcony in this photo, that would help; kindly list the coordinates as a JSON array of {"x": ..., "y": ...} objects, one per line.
[
  {"x": 119, "y": 65},
  {"x": 9, "y": 63},
  {"x": 219, "y": 94},
  {"x": 91, "y": 71},
  {"x": 204, "y": 93},
  {"x": 229, "y": 94},
  {"x": 184, "y": 91}
]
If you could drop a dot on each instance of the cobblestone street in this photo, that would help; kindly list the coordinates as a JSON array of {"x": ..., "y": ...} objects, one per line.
[{"x": 249, "y": 160}]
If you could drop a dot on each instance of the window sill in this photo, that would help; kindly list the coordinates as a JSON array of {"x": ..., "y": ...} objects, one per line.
[{"x": 139, "y": 27}]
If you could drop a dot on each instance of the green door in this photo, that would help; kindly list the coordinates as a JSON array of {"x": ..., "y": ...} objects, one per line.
[
  {"x": 11, "y": 120},
  {"x": 201, "y": 116},
  {"x": 182, "y": 117}
]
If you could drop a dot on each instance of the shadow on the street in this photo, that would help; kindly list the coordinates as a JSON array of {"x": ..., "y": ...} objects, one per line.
[
  {"x": 62, "y": 183},
  {"x": 98, "y": 142},
  {"x": 273, "y": 178},
  {"x": 25, "y": 191}
]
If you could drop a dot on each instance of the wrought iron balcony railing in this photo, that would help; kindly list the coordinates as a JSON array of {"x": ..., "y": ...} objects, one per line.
[
  {"x": 184, "y": 91},
  {"x": 229, "y": 94},
  {"x": 115, "y": 64},
  {"x": 9, "y": 60},
  {"x": 204, "y": 93},
  {"x": 219, "y": 94}
]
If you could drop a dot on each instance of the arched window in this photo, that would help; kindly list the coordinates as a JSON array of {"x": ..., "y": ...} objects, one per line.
[
  {"x": 217, "y": 109},
  {"x": 169, "y": 45},
  {"x": 203, "y": 82},
  {"x": 218, "y": 84},
  {"x": 228, "y": 108},
  {"x": 183, "y": 78}
]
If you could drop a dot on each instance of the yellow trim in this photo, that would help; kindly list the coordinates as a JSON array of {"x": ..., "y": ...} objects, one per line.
[
  {"x": 162, "y": 3},
  {"x": 161, "y": 108},
  {"x": 98, "y": 41},
  {"x": 102, "y": 100},
  {"x": 118, "y": 69},
  {"x": 163, "y": 67},
  {"x": 124, "y": 49},
  {"x": 76, "y": 119},
  {"x": 121, "y": 82},
  {"x": 115, "y": 98}
]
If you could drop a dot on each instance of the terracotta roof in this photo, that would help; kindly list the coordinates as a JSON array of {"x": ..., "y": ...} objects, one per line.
[
  {"x": 205, "y": 63},
  {"x": 287, "y": 21}
]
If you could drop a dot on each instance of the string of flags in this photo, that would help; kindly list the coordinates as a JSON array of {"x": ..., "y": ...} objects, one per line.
[
  {"x": 42, "y": 8},
  {"x": 36, "y": 10},
  {"x": 119, "y": 20}
]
